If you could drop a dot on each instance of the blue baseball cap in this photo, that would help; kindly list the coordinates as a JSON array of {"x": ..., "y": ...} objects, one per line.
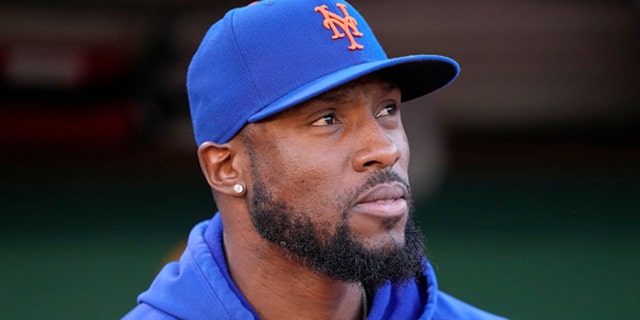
[{"x": 271, "y": 55}]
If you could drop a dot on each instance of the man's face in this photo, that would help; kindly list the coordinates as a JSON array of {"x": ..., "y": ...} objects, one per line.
[{"x": 330, "y": 186}]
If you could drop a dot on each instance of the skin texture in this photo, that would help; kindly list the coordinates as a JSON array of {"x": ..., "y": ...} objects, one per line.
[{"x": 333, "y": 167}]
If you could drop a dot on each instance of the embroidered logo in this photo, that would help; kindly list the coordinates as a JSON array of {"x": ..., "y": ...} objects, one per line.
[{"x": 348, "y": 24}]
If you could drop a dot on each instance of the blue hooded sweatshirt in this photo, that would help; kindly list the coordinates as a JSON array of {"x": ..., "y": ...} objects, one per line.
[{"x": 199, "y": 287}]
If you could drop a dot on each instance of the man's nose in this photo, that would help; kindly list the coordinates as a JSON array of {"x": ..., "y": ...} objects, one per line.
[{"x": 376, "y": 147}]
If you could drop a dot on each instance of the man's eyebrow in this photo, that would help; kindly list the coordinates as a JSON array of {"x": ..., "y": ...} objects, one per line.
[
  {"x": 390, "y": 87},
  {"x": 341, "y": 93},
  {"x": 334, "y": 95}
]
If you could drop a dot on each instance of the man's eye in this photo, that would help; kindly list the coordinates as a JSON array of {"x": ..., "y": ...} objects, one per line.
[
  {"x": 326, "y": 120},
  {"x": 388, "y": 110}
]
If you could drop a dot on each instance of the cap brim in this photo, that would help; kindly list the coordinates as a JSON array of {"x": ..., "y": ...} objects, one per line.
[{"x": 415, "y": 75}]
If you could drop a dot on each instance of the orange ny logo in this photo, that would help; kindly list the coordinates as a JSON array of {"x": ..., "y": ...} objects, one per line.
[{"x": 348, "y": 24}]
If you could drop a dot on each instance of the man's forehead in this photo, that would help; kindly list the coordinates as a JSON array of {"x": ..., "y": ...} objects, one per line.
[
  {"x": 345, "y": 91},
  {"x": 341, "y": 94}
]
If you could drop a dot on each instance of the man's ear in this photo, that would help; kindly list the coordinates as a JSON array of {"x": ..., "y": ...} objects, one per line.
[{"x": 220, "y": 166}]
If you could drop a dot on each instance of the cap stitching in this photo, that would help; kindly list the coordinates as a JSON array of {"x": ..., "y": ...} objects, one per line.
[{"x": 244, "y": 62}]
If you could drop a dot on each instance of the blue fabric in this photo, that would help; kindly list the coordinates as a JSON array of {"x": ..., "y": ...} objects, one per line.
[
  {"x": 198, "y": 286},
  {"x": 261, "y": 59}
]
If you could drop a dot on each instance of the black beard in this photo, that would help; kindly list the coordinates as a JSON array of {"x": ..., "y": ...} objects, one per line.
[{"x": 338, "y": 255}]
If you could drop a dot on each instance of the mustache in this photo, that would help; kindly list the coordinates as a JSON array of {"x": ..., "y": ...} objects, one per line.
[
  {"x": 383, "y": 176},
  {"x": 386, "y": 175}
]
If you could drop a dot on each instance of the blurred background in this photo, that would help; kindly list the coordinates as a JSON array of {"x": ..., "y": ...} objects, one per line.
[{"x": 526, "y": 169}]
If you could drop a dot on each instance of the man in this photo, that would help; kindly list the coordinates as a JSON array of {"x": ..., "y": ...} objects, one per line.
[{"x": 296, "y": 112}]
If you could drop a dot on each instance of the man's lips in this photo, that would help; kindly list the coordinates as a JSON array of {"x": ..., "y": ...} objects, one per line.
[{"x": 383, "y": 200}]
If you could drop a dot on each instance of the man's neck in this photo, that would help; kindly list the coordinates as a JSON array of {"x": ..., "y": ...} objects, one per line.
[{"x": 278, "y": 287}]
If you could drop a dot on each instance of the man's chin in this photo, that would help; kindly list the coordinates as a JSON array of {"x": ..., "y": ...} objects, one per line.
[
  {"x": 385, "y": 236},
  {"x": 385, "y": 243}
]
